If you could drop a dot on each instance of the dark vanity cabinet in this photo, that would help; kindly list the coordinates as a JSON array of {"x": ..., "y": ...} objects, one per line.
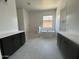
[
  {"x": 68, "y": 48},
  {"x": 12, "y": 43}
]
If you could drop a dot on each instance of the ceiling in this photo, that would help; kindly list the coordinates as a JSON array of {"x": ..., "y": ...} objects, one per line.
[{"x": 37, "y": 4}]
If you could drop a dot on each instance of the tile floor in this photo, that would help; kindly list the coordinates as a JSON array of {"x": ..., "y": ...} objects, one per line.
[{"x": 38, "y": 48}]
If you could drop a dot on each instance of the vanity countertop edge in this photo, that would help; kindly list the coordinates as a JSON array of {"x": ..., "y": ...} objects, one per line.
[
  {"x": 9, "y": 34},
  {"x": 71, "y": 36}
]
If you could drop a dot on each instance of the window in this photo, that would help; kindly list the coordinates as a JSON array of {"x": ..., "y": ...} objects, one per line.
[
  {"x": 47, "y": 25},
  {"x": 47, "y": 21}
]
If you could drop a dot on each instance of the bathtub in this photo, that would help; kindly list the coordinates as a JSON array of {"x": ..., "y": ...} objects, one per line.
[{"x": 48, "y": 34}]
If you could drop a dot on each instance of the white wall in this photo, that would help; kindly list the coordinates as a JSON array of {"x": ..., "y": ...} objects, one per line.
[
  {"x": 61, "y": 16},
  {"x": 8, "y": 17},
  {"x": 26, "y": 20},
  {"x": 36, "y": 17},
  {"x": 73, "y": 15},
  {"x": 70, "y": 18},
  {"x": 20, "y": 18},
  {"x": 58, "y": 20},
  {"x": 23, "y": 20}
]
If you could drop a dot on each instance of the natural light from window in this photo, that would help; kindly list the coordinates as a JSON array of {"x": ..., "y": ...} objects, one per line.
[
  {"x": 47, "y": 21},
  {"x": 47, "y": 24}
]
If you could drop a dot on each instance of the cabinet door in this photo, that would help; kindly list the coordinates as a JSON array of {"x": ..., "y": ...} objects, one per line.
[
  {"x": 8, "y": 46},
  {"x": 59, "y": 41},
  {"x": 22, "y": 38},
  {"x": 16, "y": 41},
  {"x": 74, "y": 50},
  {"x": 12, "y": 43}
]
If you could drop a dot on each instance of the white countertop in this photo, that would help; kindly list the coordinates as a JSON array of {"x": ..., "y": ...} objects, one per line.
[
  {"x": 73, "y": 36},
  {"x": 3, "y": 35},
  {"x": 8, "y": 34}
]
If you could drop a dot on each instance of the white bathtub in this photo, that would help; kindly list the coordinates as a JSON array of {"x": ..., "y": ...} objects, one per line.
[{"x": 48, "y": 34}]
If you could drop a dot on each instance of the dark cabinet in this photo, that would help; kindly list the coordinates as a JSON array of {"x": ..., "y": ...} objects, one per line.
[
  {"x": 12, "y": 43},
  {"x": 68, "y": 48},
  {"x": 7, "y": 46},
  {"x": 22, "y": 36}
]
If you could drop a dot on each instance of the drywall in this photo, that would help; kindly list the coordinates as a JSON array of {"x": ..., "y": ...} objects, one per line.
[
  {"x": 61, "y": 16},
  {"x": 69, "y": 16},
  {"x": 8, "y": 17},
  {"x": 26, "y": 20},
  {"x": 57, "y": 26},
  {"x": 20, "y": 18},
  {"x": 73, "y": 15},
  {"x": 23, "y": 20},
  {"x": 36, "y": 18}
]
